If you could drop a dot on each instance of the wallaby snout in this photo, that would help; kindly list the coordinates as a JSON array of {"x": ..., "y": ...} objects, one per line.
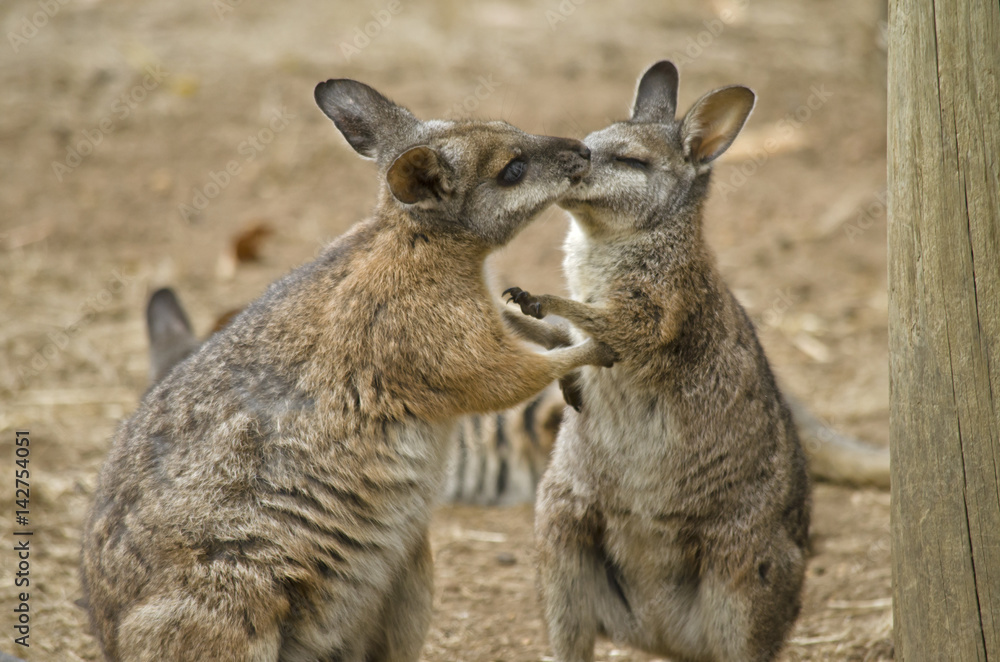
[{"x": 575, "y": 158}]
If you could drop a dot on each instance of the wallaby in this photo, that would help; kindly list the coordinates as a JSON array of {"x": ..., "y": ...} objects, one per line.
[
  {"x": 270, "y": 499},
  {"x": 495, "y": 459},
  {"x": 499, "y": 459},
  {"x": 674, "y": 515}
]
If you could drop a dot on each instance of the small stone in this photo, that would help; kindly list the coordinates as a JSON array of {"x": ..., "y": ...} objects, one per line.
[{"x": 505, "y": 558}]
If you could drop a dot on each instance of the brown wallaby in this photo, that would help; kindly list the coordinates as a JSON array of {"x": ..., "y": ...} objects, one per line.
[
  {"x": 674, "y": 516},
  {"x": 270, "y": 498},
  {"x": 832, "y": 456},
  {"x": 499, "y": 459}
]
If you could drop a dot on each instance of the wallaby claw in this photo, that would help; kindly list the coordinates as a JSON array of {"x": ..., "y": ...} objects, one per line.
[
  {"x": 529, "y": 304},
  {"x": 572, "y": 392}
]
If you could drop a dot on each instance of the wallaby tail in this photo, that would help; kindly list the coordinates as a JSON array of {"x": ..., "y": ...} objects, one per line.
[{"x": 836, "y": 457}]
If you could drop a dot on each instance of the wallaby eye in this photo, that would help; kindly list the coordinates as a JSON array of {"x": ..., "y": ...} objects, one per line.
[
  {"x": 512, "y": 173},
  {"x": 638, "y": 164}
]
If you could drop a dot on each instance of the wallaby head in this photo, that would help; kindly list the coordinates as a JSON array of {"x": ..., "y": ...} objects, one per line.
[
  {"x": 650, "y": 168},
  {"x": 484, "y": 180}
]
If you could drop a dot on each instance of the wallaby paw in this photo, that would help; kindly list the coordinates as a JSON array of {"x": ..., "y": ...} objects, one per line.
[
  {"x": 607, "y": 357},
  {"x": 572, "y": 393},
  {"x": 529, "y": 305}
]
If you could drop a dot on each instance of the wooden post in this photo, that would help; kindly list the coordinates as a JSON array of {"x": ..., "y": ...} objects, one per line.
[{"x": 944, "y": 327}]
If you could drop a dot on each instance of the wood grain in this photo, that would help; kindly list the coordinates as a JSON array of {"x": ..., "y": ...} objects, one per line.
[{"x": 944, "y": 327}]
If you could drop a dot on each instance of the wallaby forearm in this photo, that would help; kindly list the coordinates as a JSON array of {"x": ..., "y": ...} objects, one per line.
[
  {"x": 618, "y": 323},
  {"x": 547, "y": 335},
  {"x": 502, "y": 385}
]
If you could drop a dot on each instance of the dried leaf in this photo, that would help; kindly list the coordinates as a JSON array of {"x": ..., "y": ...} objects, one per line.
[
  {"x": 247, "y": 244},
  {"x": 225, "y": 318}
]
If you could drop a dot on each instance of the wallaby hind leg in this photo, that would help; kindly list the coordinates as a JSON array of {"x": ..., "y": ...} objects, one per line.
[
  {"x": 567, "y": 579},
  {"x": 580, "y": 592},
  {"x": 184, "y": 627},
  {"x": 744, "y": 614},
  {"x": 407, "y": 614}
]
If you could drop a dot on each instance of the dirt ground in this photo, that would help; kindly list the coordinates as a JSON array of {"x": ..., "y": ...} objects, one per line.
[{"x": 115, "y": 114}]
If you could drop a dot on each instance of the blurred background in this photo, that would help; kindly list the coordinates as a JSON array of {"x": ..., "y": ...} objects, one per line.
[{"x": 151, "y": 144}]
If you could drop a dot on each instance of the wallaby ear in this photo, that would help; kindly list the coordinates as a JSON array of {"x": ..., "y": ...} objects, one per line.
[
  {"x": 165, "y": 318},
  {"x": 366, "y": 118},
  {"x": 170, "y": 336},
  {"x": 419, "y": 175},
  {"x": 714, "y": 121},
  {"x": 656, "y": 96}
]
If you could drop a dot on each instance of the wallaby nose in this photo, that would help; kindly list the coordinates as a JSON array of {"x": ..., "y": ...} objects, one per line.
[
  {"x": 575, "y": 157},
  {"x": 574, "y": 146}
]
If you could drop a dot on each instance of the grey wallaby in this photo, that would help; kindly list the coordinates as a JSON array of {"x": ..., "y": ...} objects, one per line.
[
  {"x": 271, "y": 496},
  {"x": 674, "y": 516}
]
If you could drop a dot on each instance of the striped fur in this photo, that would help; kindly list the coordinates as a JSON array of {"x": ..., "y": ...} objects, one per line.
[
  {"x": 499, "y": 459},
  {"x": 495, "y": 459}
]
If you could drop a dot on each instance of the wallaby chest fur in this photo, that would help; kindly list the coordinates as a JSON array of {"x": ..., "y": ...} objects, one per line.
[
  {"x": 271, "y": 496},
  {"x": 677, "y": 387},
  {"x": 695, "y": 422},
  {"x": 674, "y": 516}
]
